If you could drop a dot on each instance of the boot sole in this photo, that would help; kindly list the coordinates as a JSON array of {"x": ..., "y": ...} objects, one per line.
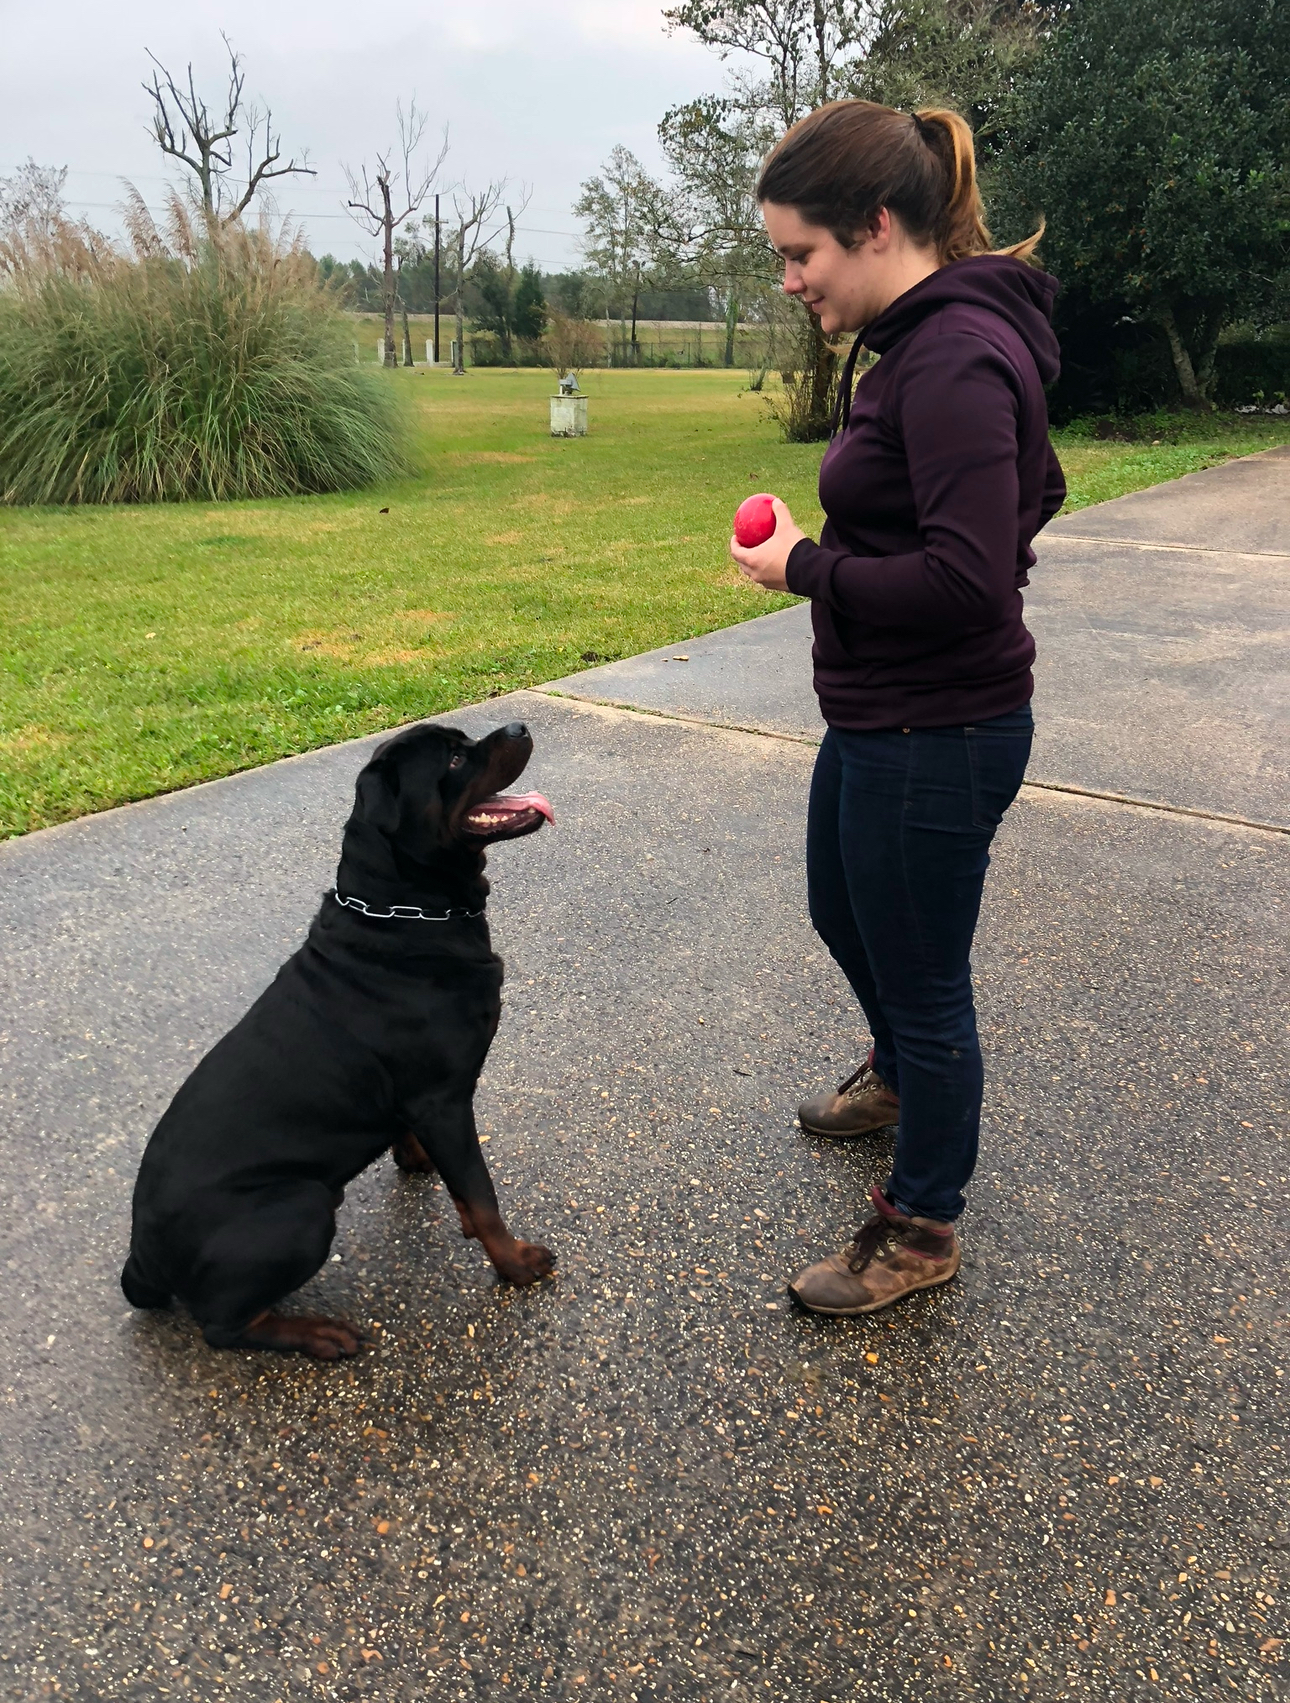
[
  {"x": 845, "y": 1134},
  {"x": 874, "y": 1306}
]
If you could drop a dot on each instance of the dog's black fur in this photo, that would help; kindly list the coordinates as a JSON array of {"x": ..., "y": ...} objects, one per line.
[{"x": 372, "y": 1036}]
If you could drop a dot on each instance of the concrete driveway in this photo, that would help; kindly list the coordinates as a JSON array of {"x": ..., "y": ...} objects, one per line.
[{"x": 1062, "y": 1477}]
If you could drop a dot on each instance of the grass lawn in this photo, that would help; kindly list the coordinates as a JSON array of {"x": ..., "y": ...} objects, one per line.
[{"x": 148, "y": 648}]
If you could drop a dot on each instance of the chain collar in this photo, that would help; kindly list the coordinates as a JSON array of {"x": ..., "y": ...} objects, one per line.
[{"x": 404, "y": 913}]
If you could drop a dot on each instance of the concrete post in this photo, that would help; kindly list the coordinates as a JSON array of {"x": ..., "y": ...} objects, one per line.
[{"x": 568, "y": 416}]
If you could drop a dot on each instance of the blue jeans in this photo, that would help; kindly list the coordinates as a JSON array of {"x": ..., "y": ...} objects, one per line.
[{"x": 897, "y": 846}]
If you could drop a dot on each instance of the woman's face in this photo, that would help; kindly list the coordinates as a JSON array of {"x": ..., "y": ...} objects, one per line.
[{"x": 845, "y": 287}]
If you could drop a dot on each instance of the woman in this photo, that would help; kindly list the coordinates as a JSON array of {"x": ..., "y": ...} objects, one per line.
[{"x": 939, "y": 474}]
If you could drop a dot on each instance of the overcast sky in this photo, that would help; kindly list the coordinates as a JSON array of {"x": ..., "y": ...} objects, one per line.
[{"x": 533, "y": 92}]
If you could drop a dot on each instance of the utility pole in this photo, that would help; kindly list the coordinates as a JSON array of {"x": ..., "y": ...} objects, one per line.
[
  {"x": 459, "y": 365},
  {"x": 436, "y": 280}
]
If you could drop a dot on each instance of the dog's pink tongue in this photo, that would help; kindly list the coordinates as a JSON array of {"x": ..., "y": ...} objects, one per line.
[{"x": 529, "y": 801}]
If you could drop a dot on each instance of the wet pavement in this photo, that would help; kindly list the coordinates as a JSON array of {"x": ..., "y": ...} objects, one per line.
[
  {"x": 1163, "y": 625},
  {"x": 1063, "y": 1476}
]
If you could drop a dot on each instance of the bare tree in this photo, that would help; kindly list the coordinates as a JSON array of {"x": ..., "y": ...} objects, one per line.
[
  {"x": 396, "y": 181},
  {"x": 477, "y": 227},
  {"x": 37, "y": 236},
  {"x": 185, "y": 130}
]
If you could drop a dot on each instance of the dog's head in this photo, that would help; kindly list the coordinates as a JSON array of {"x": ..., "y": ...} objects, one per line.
[{"x": 431, "y": 800}]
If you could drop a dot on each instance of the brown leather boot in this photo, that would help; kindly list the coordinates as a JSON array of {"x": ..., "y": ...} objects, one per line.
[
  {"x": 861, "y": 1104},
  {"x": 891, "y": 1257}
]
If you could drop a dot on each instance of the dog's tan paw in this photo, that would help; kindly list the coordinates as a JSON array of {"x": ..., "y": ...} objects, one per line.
[
  {"x": 528, "y": 1262},
  {"x": 321, "y": 1339}
]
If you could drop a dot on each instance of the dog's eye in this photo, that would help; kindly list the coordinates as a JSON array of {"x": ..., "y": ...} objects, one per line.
[{"x": 457, "y": 760}]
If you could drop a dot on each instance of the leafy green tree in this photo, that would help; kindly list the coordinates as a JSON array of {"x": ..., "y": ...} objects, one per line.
[
  {"x": 529, "y": 313},
  {"x": 494, "y": 300},
  {"x": 803, "y": 52},
  {"x": 1155, "y": 140},
  {"x": 965, "y": 54},
  {"x": 621, "y": 208}
]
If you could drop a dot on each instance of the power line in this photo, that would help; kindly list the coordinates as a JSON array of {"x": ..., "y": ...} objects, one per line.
[
  {"x": 316, "y": 188},
  {"x": 528, "y": 230}
]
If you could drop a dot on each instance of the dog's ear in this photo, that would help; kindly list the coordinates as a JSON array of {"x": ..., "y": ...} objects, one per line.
[{"x": 377, "y": 794}]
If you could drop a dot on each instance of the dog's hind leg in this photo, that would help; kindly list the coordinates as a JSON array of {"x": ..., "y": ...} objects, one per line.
[
  {"x": 253, "y": 1258},
  {"x": 411, "y": 1158}
]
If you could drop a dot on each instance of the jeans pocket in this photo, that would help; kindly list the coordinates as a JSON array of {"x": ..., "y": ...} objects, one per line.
[{"x": 997, "y": 765}]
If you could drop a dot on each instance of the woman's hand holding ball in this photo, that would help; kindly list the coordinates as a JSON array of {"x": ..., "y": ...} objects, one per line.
[{"x": 765, "y": 533}]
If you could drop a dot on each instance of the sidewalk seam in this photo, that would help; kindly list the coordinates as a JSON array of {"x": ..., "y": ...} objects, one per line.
[
  {"x": 1185, "y": 549},
  {"x": 1036, "y": 785}
]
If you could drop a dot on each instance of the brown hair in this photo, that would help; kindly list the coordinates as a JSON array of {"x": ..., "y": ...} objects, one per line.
[{"x": 844, "y": 162}]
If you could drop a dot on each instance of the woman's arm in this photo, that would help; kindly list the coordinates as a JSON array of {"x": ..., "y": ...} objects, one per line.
[{"x": 957, "y": 411}]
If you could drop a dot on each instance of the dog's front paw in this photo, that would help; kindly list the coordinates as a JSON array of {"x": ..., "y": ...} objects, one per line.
[{"x": 526, "y": 1262}]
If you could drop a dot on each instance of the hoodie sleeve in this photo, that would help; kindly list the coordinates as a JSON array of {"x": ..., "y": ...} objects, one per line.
[
  {"x": 956, "y": 409},
  {"x": 1054, "y": 488}
]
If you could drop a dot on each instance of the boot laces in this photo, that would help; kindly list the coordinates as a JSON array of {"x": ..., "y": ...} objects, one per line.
[
  {"x": 873, "y": 1240},
  {"x": 860, "y": 1082}
]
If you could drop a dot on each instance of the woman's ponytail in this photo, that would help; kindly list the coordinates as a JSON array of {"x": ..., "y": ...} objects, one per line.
[
  {"x": 963, "y": 230},
  {"x": 844, "y": 162}
]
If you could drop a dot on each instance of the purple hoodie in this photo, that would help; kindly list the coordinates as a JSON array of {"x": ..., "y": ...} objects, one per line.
[{"x": 933, "y": 489}]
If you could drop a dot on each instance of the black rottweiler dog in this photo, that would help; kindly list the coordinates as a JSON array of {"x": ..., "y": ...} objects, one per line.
[{"x": 371, "y": 1037}]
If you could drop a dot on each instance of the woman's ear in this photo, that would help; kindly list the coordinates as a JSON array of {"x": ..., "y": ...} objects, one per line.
[{"x": 377, "y": 794}]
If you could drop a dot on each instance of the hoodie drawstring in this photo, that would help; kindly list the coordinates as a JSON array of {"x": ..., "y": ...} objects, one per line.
[{"x": 842, "y": 405}]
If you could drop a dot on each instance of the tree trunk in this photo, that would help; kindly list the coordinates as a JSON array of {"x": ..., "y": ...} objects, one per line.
[
  {"x": 387, "y": 225},
  {"x": 459, "y": 366},
  {"x": 823, "y": 376},
  {"x": 407, "y": 338},
  {"x": 1191, "y": 393},
  {"x": 732, "y": 320},
  {"x": 636, "y": 296},
  {"x": 1207, "y": 366}
]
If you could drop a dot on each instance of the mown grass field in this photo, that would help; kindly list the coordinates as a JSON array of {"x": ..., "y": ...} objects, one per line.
[{"x": 146, "y": 648}]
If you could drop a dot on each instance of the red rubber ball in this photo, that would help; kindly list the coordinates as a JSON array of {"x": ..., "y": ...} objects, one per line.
[{"x": 754, "y": 520}]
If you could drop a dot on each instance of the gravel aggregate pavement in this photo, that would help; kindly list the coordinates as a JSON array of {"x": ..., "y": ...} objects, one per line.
[{"x": 1062, "y": 1476}]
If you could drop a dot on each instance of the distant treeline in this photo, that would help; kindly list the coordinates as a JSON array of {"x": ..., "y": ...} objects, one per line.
[{"x": 579, "y": 295}]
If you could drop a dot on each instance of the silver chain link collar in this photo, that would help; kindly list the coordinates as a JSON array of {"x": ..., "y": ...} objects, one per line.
[{"x": 404, "y": 913}]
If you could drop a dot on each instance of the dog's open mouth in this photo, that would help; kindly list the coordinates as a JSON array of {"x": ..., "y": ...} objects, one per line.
[{"x": 508, "y": 813}]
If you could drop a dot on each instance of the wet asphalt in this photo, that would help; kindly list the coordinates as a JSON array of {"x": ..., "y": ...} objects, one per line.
[{"x": 1063, "y": 1476}]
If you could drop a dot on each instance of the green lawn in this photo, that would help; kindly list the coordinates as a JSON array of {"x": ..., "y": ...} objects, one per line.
[{"x": 148, "y": 648}]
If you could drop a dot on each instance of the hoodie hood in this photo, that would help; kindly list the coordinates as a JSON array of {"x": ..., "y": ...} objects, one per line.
[{"x": 1020, "y": 295}]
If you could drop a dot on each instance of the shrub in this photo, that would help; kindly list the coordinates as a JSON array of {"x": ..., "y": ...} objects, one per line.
[
  {"x": 569, "y": 344},
  {"x": 206, "y": 363}
]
